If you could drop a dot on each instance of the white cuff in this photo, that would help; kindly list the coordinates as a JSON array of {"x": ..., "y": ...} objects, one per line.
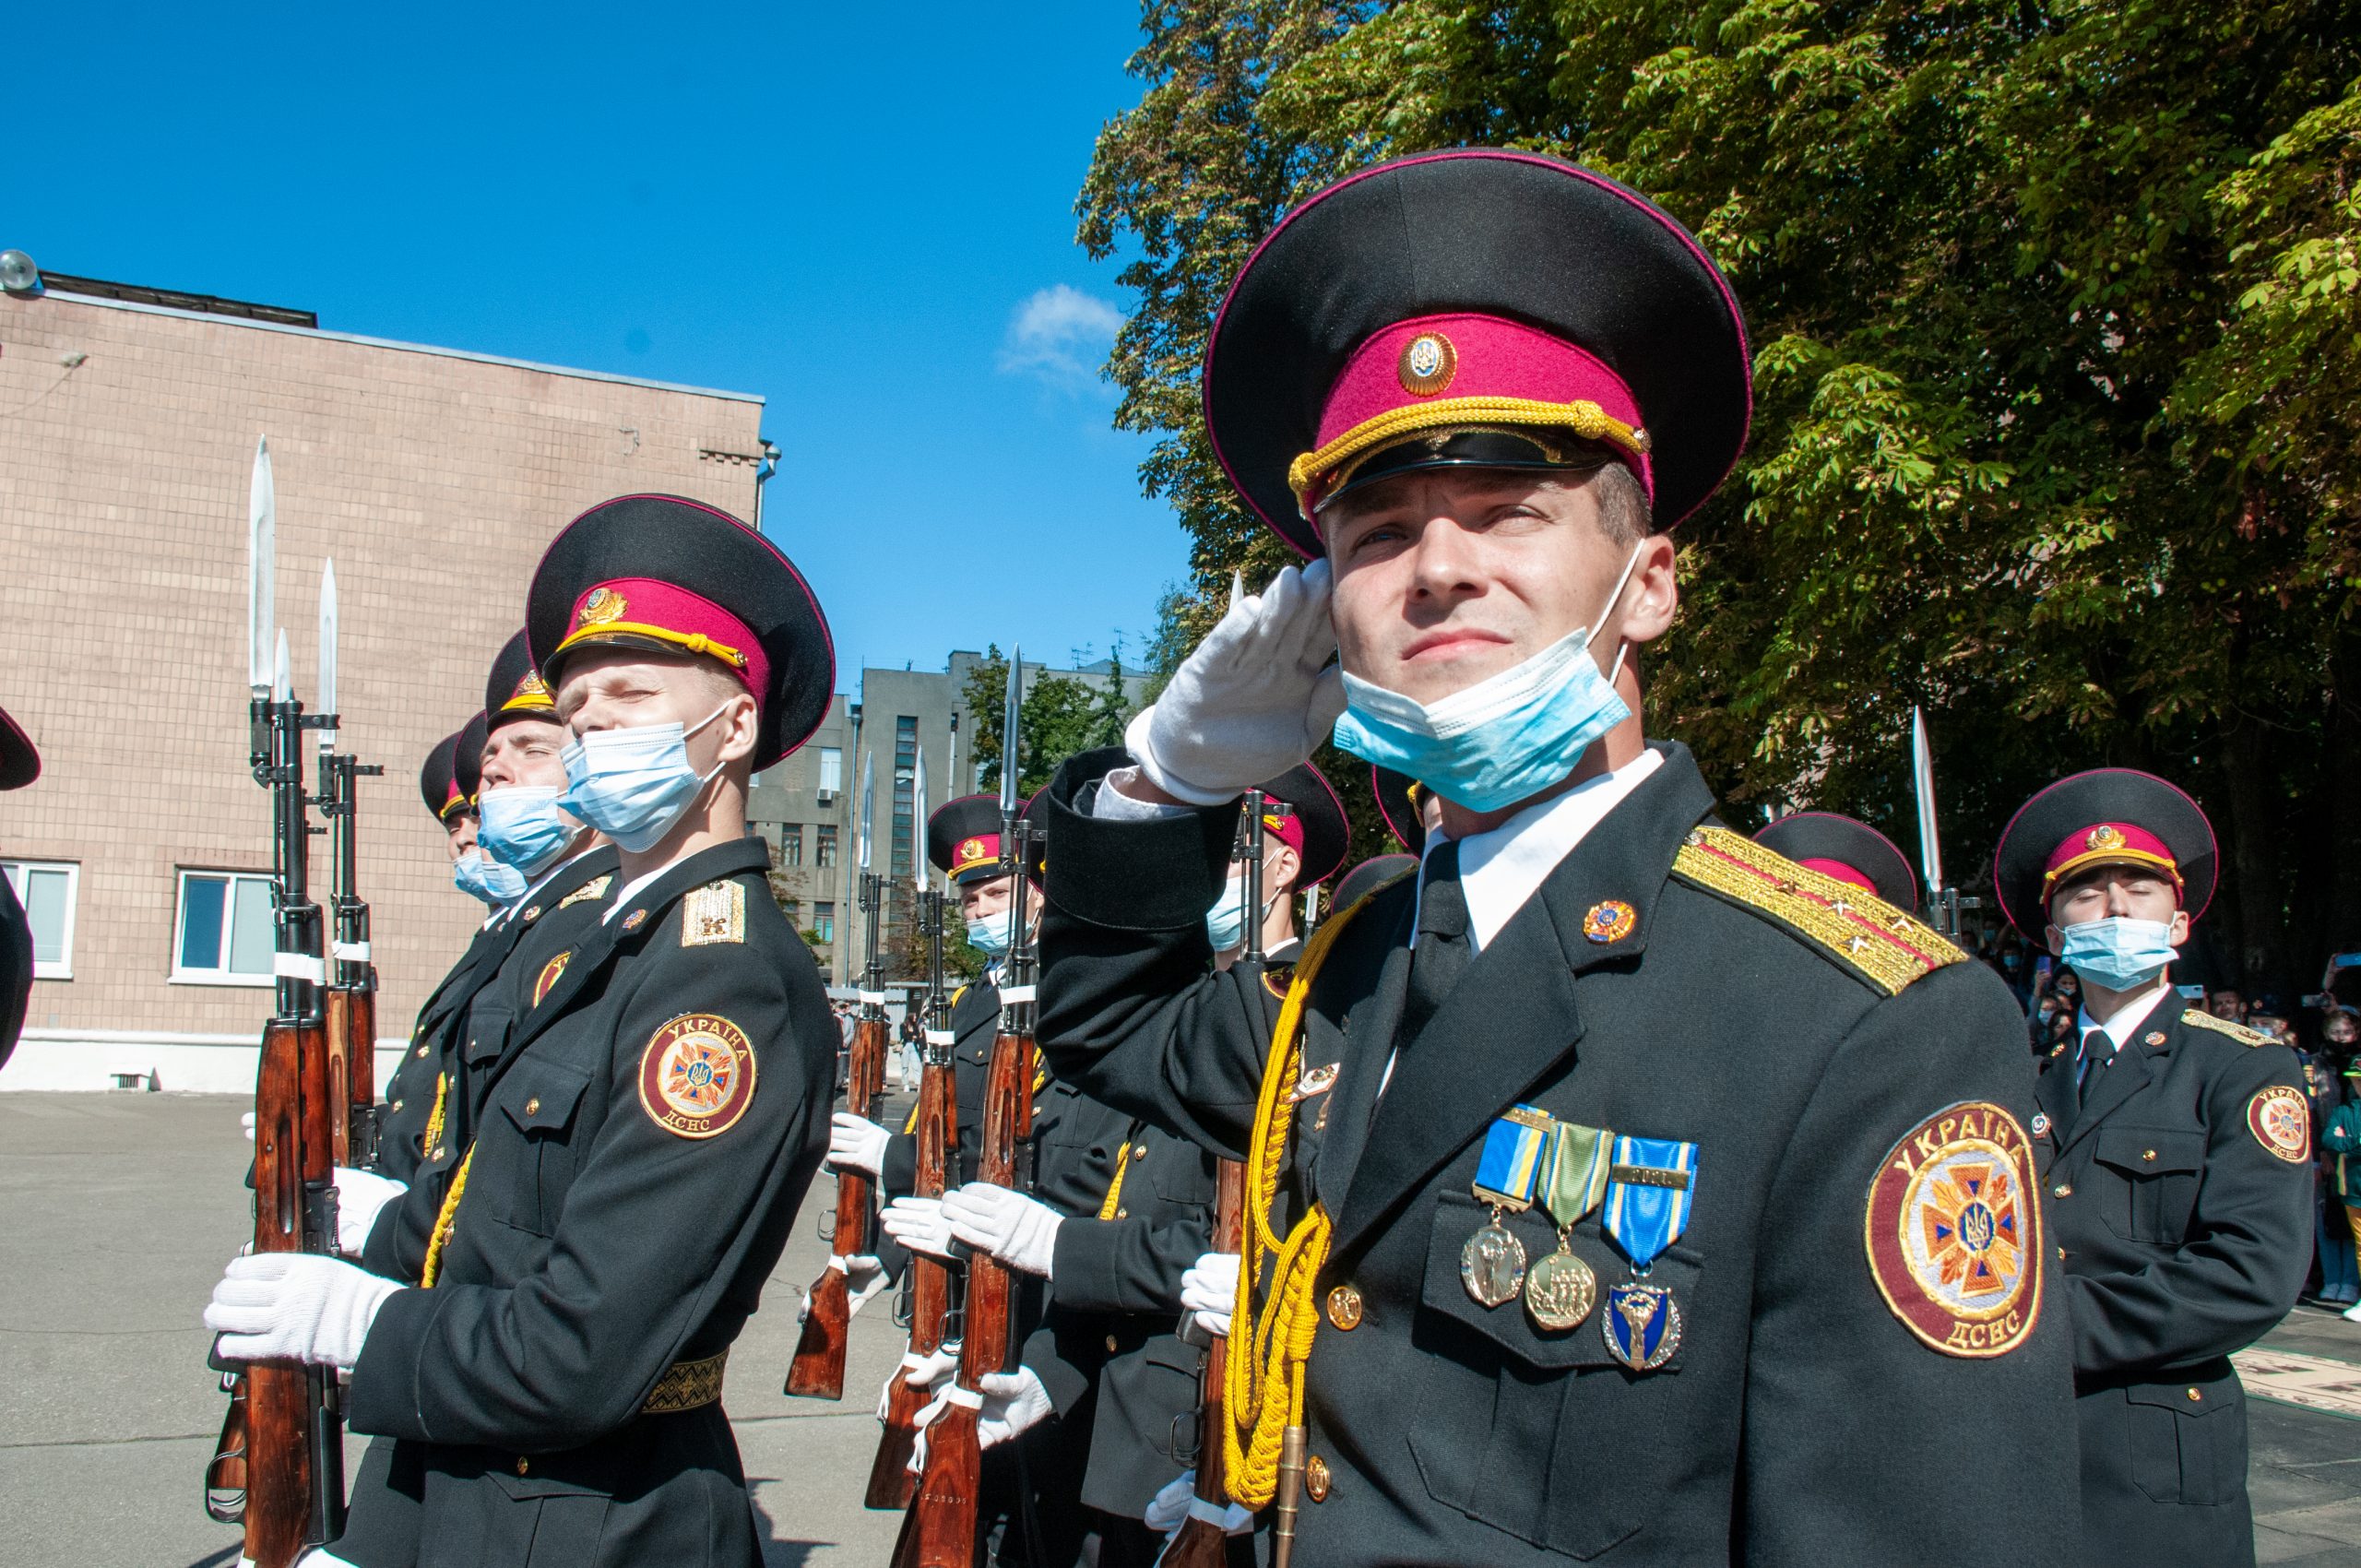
[{"x": 1111, "y": 804}]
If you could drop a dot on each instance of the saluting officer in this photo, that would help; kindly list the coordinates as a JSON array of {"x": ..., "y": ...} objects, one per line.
[
  {"x": 643, "y": 1152},
  {"x": 1619, "y": 1190},
  {"x": 418, "y": 1091},
  {"x": 2177, "y": 1147},
  {"x": 1847, "y": 849},
  {"x": 19, "y": 765}
]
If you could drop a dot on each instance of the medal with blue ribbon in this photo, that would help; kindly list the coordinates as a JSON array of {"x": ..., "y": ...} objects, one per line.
[
  {"x": 1560, "y": 1289},
  {"x": 1491, "y": 1266},
  {"x": 1651, "y": 1186}
]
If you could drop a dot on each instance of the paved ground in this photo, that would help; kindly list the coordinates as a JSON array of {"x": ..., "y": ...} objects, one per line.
[{"x": 122, "y": 1208}]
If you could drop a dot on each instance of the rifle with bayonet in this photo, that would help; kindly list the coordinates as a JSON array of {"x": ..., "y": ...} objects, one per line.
[
  {"x": 940, "y": 1529},
  {"x": 352, "y": 1003},
  {"x": 1201, "y": 1540},
  {"x": 1944, "y": 903},
  {"x": 279, "y": 1467},
  {"x": 818, "y": 1370},
  {"x": 891, "y": 1485}
]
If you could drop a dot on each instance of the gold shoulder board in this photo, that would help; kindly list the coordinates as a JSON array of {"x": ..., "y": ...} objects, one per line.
[
  {"x": 716, "y": 912},
  {"x": 2239, "y": 1032},
  {"x": 589, "y": 892},
  {"x": 957, "y": 994},
  {"x": 1859, "y": 931}
]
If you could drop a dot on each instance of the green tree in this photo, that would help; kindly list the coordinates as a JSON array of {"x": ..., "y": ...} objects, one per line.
[
  {"x": 2057, "y": 306},
  {"x": 1110, "y": 710},
  {"x": 1058, "y": 718}
]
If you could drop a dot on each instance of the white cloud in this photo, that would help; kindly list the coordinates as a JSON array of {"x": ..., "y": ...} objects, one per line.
[{"x": 1059, "y": 335}]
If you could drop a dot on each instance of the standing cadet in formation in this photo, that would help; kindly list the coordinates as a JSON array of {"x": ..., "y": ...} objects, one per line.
[
  {"x": 1303, "y": 847},
  {"x": 2177, "y": 1151},
  {"x": 19, "y": 765},
  {"x": 1847, "y": 851},
  {"x": 1619, "y": 1190},
  {"x": 644, "y": 1148},
  {"x": 418, "y": 1091}
]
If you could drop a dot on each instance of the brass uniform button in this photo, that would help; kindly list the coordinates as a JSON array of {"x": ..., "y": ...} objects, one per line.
[
  {"x": 1140, "y": 1152},
  {"x": 1122, "y": 1214},
  {"x": 1111, "y": 1344},
  {"x": 533, "y": 1105},
  {"x": 1315, "y": 1478},
  {"x": 2147, "y": 1154},
  {"x": 422, "y": 1050},
  {"x": 1344, "y": 1308},
  {"x": 2061, "y": 1191},
  {"x": 2194, "y": 1396},
  {"x": 2061, "y": 1255},
  {"x": 398, "y": 1105},
  {"x": 524, "y": 1465},
  {"x": 439, "y": 1152}
]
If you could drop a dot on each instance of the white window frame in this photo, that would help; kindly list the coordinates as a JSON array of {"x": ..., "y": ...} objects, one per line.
[
  {"x": 15, "y": 873},
  {"x": 229, "y": 912}
]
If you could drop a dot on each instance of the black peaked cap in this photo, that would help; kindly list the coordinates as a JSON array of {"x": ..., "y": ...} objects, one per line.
[
  {"x": 1826, "y": 836},
  {"x": 670, "y": 539},
  {"x": 1510, "y": 234},
  {"x": 467, "y": 759},
  {"x": 19, "y": 760},
  {"x": 1327, "y": 835},
  {"x": 514, "y": 691},
  {"x": 2077, "y": 803},
  {"x": 1397, "y": 802},
  {"x": 436, "y": 776},
  {"x": 1369, "y": 876},
  {"x": 977, "y": 816}
]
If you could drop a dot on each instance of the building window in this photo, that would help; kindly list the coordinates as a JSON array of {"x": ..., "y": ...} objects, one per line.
[
  {"x": 905, "y": 762},
  {"x": 47, "y": 889},
  {"x": 824, "y": 922},
  {"x": 824, "y": 851},
  {"x": 226, "y": 932},
  {"x": 831, "y": 771},
  {"x": 791, "y": 844},
  {"x": 793, "y": 910}
]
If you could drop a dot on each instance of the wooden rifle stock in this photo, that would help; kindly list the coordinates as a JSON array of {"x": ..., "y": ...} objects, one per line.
[
  {"x": 891, "y": 1485},
  {"x": 338, "y": 1034},
  {"x": 1203, "y": 1543},
  {"x": 940, "y": 1529},
  {"x": 818, "y": 1370}
]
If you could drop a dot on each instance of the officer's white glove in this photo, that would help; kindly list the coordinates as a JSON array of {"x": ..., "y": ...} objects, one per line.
[
  {"x": 360, "y": 1196},
  {"x": 919, "y": 1371},
  {"x": 855, "y": 1142},
  {"x": 1257, "y": 697},
  {"x": 1171, "y": 1506},
  {"x": 1015, "y": 1229},
  {"x": 919, "y": 1224},
  {"x": 864, "y": 1277},
  {"x": 320, "y": 1557},
  {"x": 246, "y": 1120},
  {"x": 1007, "y": 1405},
  {"x": 295, "y": 1306},
  {"x": 1208, "y": 1291}
]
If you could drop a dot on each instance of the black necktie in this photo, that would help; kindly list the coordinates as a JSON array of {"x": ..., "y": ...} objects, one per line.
[
  {"x": 1440, "y": 955},
  {"x": 2098, "y": 1048}
]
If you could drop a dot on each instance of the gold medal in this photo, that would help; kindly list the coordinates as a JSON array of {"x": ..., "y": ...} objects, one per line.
[
  {"x": 1492, "y": 1263},
  {"x": 1560, "y": 1290}
]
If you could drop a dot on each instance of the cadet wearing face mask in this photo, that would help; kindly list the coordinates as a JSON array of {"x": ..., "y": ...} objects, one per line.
[
  {"x": 554, "y": 1379},
  {"x": 1606, "y": 1182},
  {"x": 2176, "y": 1148},
  {"x": 1301, "y": 849}
]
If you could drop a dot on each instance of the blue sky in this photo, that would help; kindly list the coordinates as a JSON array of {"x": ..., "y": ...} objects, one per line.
[{"x": 863, "y": 213}]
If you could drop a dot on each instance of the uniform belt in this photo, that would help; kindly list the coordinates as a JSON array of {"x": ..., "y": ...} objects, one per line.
[{"x": 686, "y": 1385}]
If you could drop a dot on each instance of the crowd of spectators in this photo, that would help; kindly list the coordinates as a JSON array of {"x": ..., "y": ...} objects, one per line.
[{"x": 2323, "y": 1028}]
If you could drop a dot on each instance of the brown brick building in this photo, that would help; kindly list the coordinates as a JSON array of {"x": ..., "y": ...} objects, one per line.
[{"x": 433, "y": 479}]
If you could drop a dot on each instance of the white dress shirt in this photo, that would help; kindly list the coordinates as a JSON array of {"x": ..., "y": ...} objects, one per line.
[{"x": 1500, "y": 868}]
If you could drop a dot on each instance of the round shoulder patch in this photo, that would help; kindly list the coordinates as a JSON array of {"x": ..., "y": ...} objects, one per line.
[
  {"x": 697, "y": 1077},
  {"x": 2282, "y": 1123},
  {"x": 1955, "y": 1231}
]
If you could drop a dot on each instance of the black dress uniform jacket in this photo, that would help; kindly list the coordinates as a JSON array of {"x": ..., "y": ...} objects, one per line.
[
  {"x": 2185, "y": 1238},
  {"x": 16, "y": 968},
  {"x": 595, "y": 1246},
  {"x": 1800, "y": 1420}
]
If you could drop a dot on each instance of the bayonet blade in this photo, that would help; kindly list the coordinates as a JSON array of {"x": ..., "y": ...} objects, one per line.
[
  {"x": 1011, "y": 704},
  {"x": 262, "y": 547},
  {"x": 282, "y": 684},
  {"x": 868, "y": 804},
  {"x": 1922, "y": 784},
  {"x": 327, "y": 652},
  {"x": 918, "y": 825}
]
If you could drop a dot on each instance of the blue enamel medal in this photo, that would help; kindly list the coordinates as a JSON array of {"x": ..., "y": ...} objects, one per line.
[{"x": 1651, "y": 1187}]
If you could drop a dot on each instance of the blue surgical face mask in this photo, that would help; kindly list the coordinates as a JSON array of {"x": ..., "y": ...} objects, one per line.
[
  {"x": 2119, "y": 952},
  {"x": 1504, "y": 739},
  {"x": 520, "y": 825},
  {"x": 992, "y": 934},
  {"x": 479, "y": 873},
  {"x": 1225, "y": 922},
  {"x": 632, "y": 784}
]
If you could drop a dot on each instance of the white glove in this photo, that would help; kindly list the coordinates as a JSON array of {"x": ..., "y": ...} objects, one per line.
[
  {"x": 919, "y": 1371},
  {"x": 295, "y": 1306},
  {"x": 1013, "y": 1403},
  {"x": 919, "y": 1224},
  {"x": 1208, "y": 1291},
  {"x": 1171, "y": 1506},
  {"x": 1017, "y": 1229},
  {"x": 360, "y": 1196},
  {"x": 864, "y": 1277},
  {"x": 320, "y": 1557},
  {"x": 855, "y": 1142},
  {"x": 246, "y": 1120},
  {"x": 1257, "y": 697}
]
